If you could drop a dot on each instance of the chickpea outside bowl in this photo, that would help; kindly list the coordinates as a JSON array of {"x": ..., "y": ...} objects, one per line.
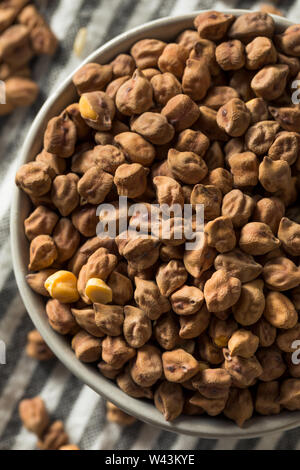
[{"x": 166, "y": 29}]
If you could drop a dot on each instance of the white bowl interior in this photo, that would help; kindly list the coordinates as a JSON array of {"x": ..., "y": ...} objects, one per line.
[{"x": 203, "y": 426}]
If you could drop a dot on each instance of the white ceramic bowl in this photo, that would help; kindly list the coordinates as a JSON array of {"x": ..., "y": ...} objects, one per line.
[{"x": 203, "y": 426}]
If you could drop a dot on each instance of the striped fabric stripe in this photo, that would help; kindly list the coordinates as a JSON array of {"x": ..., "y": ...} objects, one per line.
[{"x": 67, "y": 398}]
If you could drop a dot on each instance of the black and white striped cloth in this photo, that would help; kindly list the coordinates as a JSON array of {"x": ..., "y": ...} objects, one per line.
[{"x": 81, "y": 409}]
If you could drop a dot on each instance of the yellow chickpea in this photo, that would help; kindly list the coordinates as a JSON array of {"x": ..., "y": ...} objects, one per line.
[
  {"x": 62, "y": 285},
  {"x": 98, "y": 291}
]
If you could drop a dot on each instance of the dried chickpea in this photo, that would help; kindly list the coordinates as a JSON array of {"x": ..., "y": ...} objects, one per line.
[
  {"x": 170, "y": 277},
  {"x": 250, "y": 25},
  {"x": 264, "y": 331},
  {"x": 192, "y": 141},
  {"x": 115, "y": 415},
  {"x": 168, "y": 399},
  {"x": 42, "y": 252},
  {"x": 37, "y": 280},
  {"x": 280, "y": 311},
  {"x": 204, "y": 51},
  {"x": 137, "y": 327},
  {"x": 148, "y": 297},
  {"x": 231, "y": 55},
  {"x": 131, "y": 179},
  {"x": 213, "y": 24},
  {"x": 286, "y": 338},
  {"x": 54, "y": 437},
  {"x": 244, "y": 169},
  {"x": 60, "y": 136},
  {"x": 196, "y": 79},
  {"x": 258, "y": 110},
  {"x": 260, "y": 52},
  {"x": 289, "y": 394},
  {"x": 40, "y": 222},
  {"x": 37, "y": 348},
  {"x": 274, "y": 175},
  {"x": 135, "y": 96},
  {"x": 34, "y": 415},
  {"x": 256, "y": 238},
  {"x": 165, "y": 86},
  {"x": 281, "y": 274},
  {"x": 168, "y": 191},
  {"x": 285, "y": 147},
  {"x": 173, "y": 59},
  {"x": 181, "y": 112},
  {"x": 207, "y": 123},
  {"x": 64, "y": 193},
  {"x": 198, "y": 261},
  {"x": 192, "y": 326},
  {"x": 126, "y": 383},
  {"x": 212, "y": 383},
  {"x": 269, "y": 83},
  {"x": 97, "y": 109},
  {"x": 272, "y": 363},
  {"x": 108, "y": 319},
  {"x": 187, "y": 300},
  {"x": 221, "y": 291},
  {"x": 188, "y": 38},
  {"x": 122, "y": 65},
  {"x": 147, "y": 52},
  {"x": 243, "y": 343},
  {"x": 179, "y": 366},
  {"x": 34, "y": 178},
  {"x": 287, "y": 117},
  {"x": 94, "y": 185},
  {"x": 234, "y": 117},
  {"x": 86, "y": 347},
  {"x": 239, "y": 406},
  {"x": 210, "y": 196},
  {"x": 154, "y": 127},
  {"x": 208, "y": 351},
  {"x": 116, "y": 352},
  {"x": 146, "y": 369},
  {"x": 187, "y": 167},
  {"x": 241, "y": 81},
  {"x": 260, "y": 136},
  {"x": 250, "y": 306},
  {"x": 288, "y": 234},
  {"x": 92, "y": 77},
  {"x": 66, "y": 239},
  {"x": 244, "y": 371},
  {"x": 85, "y": 221},
  {"x": 85, "y": 318},
  {"x": 217, "y": 96},
  {"x": 221, "y": 235},
  {"x": 212, "y": 406},
  {"x": 267, "y": 398},
  {"x": 60, "y": 317},
  {"x": 238, "y": 206},
  {"x": 270, "y": 212},
  {"x": 239, "y": 264}
]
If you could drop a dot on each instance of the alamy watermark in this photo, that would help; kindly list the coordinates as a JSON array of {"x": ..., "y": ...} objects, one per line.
[
  {"x": 159, "y": 221},
  {"x": 2, "y": 92},
  {"x": 2, "y": 352},
  {"x": 296, "y": 354},
  {"x": 296, "y": 94}
]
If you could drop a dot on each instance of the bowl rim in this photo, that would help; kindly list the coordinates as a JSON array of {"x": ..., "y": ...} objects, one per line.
[{"x": 200, "y": 426}]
